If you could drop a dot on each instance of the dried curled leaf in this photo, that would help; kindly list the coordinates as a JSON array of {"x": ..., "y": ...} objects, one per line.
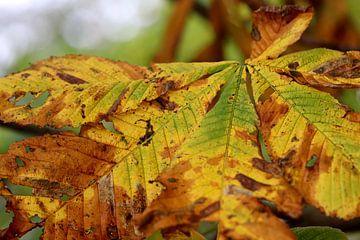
[
  {"x": 55, "y": 166},
  {"x": 165, "y": 148},
  {"x": 276, "y": 28}
]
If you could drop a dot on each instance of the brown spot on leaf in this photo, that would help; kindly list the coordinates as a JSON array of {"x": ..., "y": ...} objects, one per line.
[
  {"x": 232, "y": 163},
  {"x": 82, "y": 111},
  {"x": 215, "y": 161},
  {"x": 139, "y": 202},
  {"x": 345, "y": 67},
  {"x": 70, "y": 79},
  {"x": 308, "y": 136},
  {"x": 165, "y": 87},
  {"x": 266, "y": 94},
  {"x": 123, "y": 213},
  {"x": 266, "y": 166},
  {"x": 116, "y": 104},
  {"x": 289, "y": 156},
  {"x": 202, "y": 81},
  {"x": 25, "y": 75},
  {"x": 294, "y": 162},
  {"x": 165, "y": 104},
  {"x": 255, "y": 33},
  {"x": 248, "y": 183},
  {"x": 147, "y": 220},
  {"x": 213, "y": 102},
  {"x": 148, "y": 134},
  {"x": 214, "y": 207},
  {"x": 94, "y": 70},
  {"x": 325, "y": 163},
  {"x": 294, "y": 139},
  {"x": 293, "y": 65},
  {"x": 270, "y": 111},
  {"x": 246, "y": 136},
  {"x": 296, "y": 75},
  {"x": 169, "y": 152},
  {"x": 172, "y": 180},
  {"x": 200, "y": 200}
]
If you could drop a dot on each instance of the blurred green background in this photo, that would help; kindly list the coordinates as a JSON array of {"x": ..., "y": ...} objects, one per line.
[{"x": 124, "y": 30}]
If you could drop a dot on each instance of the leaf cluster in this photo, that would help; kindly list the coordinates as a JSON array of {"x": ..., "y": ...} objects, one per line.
[{"x": 166, "y": 147}]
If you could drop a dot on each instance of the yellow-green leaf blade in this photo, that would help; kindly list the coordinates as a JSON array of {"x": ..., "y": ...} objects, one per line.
[
  {"x": 140, "y": 145},
  {"x": 177, "y": 75},
  {"x": 320, "y": 67},
  {"x": 300, "y": 125},
  {"x": 216, "y": 174},
  {"x": 71, "y": 91}
]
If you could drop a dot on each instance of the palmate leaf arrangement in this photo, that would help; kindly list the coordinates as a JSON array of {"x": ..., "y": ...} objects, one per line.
[{"x": 166, "y": 147}]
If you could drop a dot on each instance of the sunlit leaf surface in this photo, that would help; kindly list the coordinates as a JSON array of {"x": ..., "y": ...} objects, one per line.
[{"x": 164, "y": 148}]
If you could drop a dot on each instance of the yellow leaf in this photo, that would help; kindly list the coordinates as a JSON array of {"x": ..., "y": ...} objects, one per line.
[
  {"x": 219, "y": 165},
  {"x": 314, "y": 137},
  {"x": 177, "y": 75},
  {"x": 71, "y": 91},
  {"x": 166, "y": 147},
  {"x": 141, "y": 146}
]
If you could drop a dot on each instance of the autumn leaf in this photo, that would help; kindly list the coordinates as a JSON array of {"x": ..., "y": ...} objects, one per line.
[
  {"x": 140, "y": 147},
  {"x": 301, "y": 124},
  {"x": 67, "y": 91},
  {"x": 276, "y": 28},
  {"x": 319, "y": 67},
  {"x": 216, "y": 181},
  {"x": 164, "y": 148},
  {"x": 308, "y": 131}
]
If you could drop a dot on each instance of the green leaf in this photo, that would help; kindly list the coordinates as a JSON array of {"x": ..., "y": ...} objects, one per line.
[
  {"x": 25, "y": 100},
  {"x": 40, "y": 100},
  {"x": 36, "y": 219},
  {"x": 17, "y": 189},
  {"x": 311, "y": 162},
  {"x": 319, "y": 233},
  {"x": 109, "y": 126},
  {"x": 33, "y": 234},
  {"x": 19, "y": 162}
]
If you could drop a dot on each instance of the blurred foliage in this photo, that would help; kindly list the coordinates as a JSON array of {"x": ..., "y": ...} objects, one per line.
[
  {"x": 197, "y": 33},
  {"x": 9, "y": 135},
  {"x": 318, "y": 233}
]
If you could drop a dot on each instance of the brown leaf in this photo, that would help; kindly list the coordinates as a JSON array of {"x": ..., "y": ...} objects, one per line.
[{"x": 271, "y": 25}]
